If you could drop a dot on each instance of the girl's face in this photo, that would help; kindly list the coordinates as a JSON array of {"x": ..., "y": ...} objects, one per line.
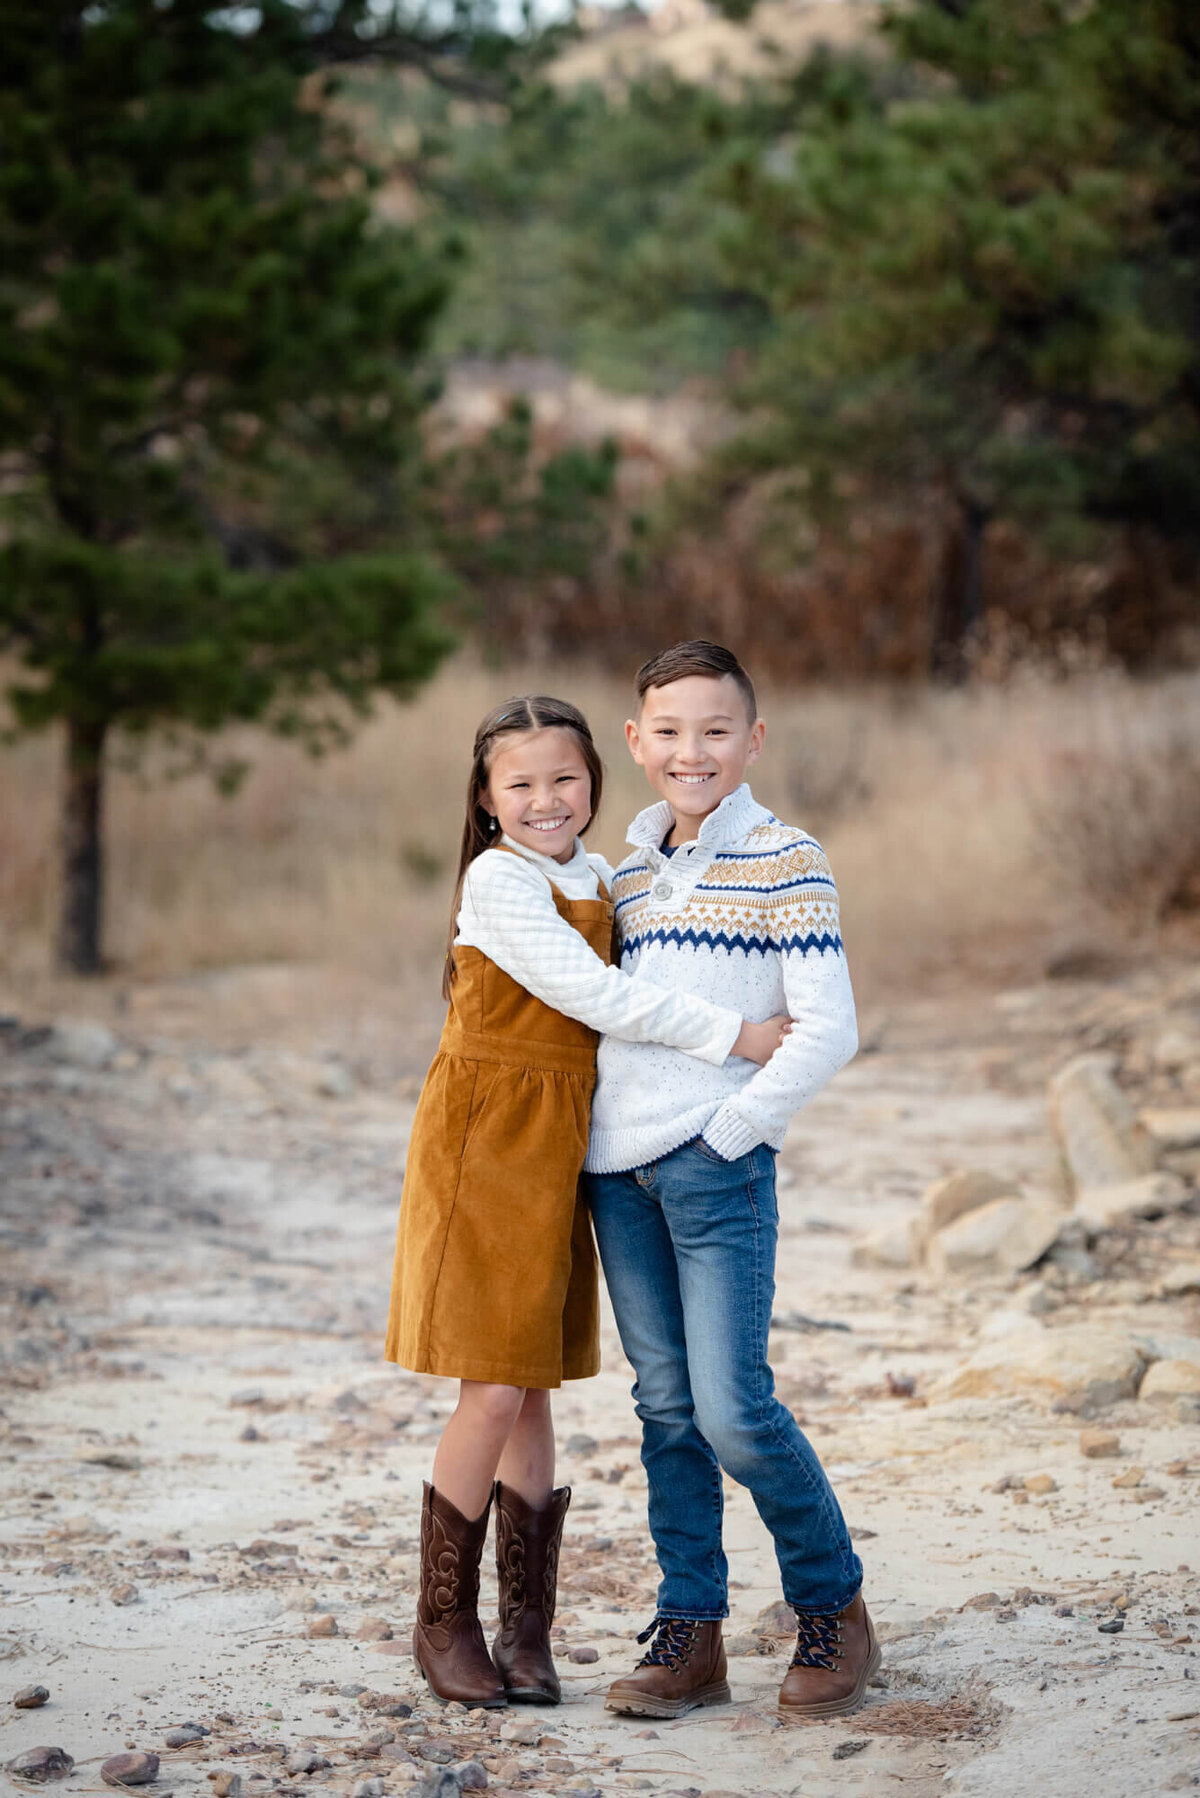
[{"x": 539, "y": 790}]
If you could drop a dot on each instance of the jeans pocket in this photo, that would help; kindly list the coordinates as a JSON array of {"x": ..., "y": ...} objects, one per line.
[{"x": 710, "y": 1154}]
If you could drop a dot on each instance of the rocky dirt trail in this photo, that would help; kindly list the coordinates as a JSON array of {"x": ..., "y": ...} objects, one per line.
[{"x": 211, "y": 1479}]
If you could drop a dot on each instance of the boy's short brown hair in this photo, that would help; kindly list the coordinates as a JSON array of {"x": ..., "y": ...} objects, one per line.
[{"x": 697, "y": 656}]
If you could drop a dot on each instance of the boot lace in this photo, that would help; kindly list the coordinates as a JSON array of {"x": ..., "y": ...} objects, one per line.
[
  {"x": 674, "y": 1642},
  {"x": 818, "y": 1641}
]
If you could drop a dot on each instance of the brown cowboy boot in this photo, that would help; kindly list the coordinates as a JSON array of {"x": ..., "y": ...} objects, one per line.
[
  {"x": 448, "y": 1644},
  {"x": 836, "y": 1654},
  {"x": 684, "y": 1667},
  {"x": 527, "y": 1544}
]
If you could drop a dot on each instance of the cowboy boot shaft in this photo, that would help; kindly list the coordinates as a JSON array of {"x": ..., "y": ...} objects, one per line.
[
  {"x": 451, "y": 1550},
  {"x": 448, "y": 1644},
  {"x": 528, "y": 1539}
]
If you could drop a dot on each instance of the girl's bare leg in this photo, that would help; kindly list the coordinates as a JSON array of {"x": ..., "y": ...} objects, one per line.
[
  {"x": 473, "y": 1442},
  {"x": 527, "y": 1462}
]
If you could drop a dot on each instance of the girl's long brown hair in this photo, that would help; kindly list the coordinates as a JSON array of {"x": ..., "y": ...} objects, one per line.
[{"x": 529, "y": 711}]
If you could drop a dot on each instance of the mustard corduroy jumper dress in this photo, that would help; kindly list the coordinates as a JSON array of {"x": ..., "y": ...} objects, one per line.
[{"x": 495, "y": 1272}]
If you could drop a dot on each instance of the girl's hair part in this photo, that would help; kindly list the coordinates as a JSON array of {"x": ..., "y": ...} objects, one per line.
[{"x": 529, "y": 711}]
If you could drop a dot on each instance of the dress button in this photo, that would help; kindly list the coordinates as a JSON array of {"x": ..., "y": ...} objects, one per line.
[{"x": 662, "y": 889}]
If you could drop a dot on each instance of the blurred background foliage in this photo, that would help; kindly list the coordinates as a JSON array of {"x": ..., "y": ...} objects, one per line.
[{"x": 332, "y": 330}]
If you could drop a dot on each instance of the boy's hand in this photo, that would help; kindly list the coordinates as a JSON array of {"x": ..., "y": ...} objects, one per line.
[{"x": 758, "y": 1042}]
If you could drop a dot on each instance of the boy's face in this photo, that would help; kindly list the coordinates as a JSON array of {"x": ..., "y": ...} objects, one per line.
[{"x": 695, "y": 742}]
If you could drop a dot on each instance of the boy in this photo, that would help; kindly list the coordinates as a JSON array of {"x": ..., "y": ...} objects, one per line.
[{"x": 719, "y": 898}]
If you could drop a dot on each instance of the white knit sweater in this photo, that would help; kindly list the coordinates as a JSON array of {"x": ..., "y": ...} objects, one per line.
[
  {"x": 508, "y": 913},
  {"x": 746, "y": 916}
]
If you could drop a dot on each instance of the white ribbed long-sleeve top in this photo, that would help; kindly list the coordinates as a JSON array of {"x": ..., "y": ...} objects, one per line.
[{"x": 508, "y": 914}]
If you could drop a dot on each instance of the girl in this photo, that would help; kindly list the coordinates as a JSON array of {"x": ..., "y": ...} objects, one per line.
[{"x": 495, "y": 1274}]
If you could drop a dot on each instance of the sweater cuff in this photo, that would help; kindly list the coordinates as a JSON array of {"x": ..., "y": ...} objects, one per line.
[
  {"x": 730, "y": 1135},
  {"x": 726, "y": 1030}
]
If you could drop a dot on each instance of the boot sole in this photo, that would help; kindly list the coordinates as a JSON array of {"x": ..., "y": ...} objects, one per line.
[
  {"x": 836, "y": 1707},
  {"x": 531, "y": 1695},
  {"x": 638, "y": 1704}
]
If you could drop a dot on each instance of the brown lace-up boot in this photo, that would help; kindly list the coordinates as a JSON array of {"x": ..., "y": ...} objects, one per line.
[
  {"x": 684, "y": 1667},
  {"x": 527, "y": 1544},
  {"x": 448, "y": 1644},
  {"x": 835, "y": 1656}
]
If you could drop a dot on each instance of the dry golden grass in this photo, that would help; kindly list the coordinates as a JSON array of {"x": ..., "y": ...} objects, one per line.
[{"x": 966, "y": 830}]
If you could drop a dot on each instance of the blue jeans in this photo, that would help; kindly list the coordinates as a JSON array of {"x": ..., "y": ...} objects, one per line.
[{"x": 688, "y": 1246}]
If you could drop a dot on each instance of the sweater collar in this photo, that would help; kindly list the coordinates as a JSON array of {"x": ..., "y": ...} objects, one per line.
[
  {"x": 578, "y": 864},
  {"x": 737, "y": 813}
]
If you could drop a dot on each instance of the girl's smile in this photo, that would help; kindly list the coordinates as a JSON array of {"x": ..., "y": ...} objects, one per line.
[{"x": 539, "y": 791}]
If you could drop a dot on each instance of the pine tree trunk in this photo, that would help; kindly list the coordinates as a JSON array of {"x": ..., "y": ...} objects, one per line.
[
  {"x": 82, "y": 849},
  {"x": 961, "y": 606}
]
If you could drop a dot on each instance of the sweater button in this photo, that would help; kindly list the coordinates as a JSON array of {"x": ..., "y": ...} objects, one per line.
[{"x": 662, "y": 889}]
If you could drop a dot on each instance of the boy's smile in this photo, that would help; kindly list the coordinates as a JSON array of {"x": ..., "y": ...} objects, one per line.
[{"x": 695, "y": 741}]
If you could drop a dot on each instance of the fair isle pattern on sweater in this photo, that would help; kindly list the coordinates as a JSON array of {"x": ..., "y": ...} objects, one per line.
[
  {"x": 746, "y": 917},
  {"x": 776, "y": 894}
]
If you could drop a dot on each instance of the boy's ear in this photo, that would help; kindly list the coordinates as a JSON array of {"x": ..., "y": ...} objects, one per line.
[
  {"x": 758, "y": 737},
  {"x": 634, "y": 739}
]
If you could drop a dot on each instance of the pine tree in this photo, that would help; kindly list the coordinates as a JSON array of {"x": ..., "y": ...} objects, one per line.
[
  {"x": 208, "y": 412},
  {"x": 982, "y": 271}
]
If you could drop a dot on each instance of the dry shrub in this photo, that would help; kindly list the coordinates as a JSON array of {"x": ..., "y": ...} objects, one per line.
[
  {"x": 1118, "y": 809},
  {"x": 966, "y": 836}
]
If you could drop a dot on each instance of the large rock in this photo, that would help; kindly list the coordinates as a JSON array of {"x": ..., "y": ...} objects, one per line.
[
  {"x": 967, "y": 1189},
  {"x": 1080, "y": 1368},
  {"x": 1003, "y": 1237},
  {"x": 890, "y": 1246},
  {"x": 1101, "y": 1140},
  {"x": 1169, "y": 1380},
  {"x": 1173, "y": 1129},
  {"x": 1108, "y": 1207}
]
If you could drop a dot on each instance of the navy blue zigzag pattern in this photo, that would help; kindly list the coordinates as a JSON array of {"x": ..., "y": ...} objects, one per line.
[{"x": 708, "y": 939}]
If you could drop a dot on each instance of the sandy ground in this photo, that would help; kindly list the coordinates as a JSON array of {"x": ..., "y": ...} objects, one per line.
[{"x": 196, "y": 1253}]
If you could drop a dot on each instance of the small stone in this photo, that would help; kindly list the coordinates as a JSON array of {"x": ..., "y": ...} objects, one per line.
[
  {"x": 385, "y": 1704},
  {"x": 1005, "y": 1236},
  {"x": 227, "y": 1785},
  {"x": 81, "y": 1043},
  {"x": 41, "y": 1764},
  {"x": 1132, "y": 1476},
  {"x": 249, "y": 1434},
  {"x": 1112, "y": 1627},
  {"x": 524, "y": 1735},
  {"x": 170, "y": 1552},
  {"x": 335, "y": 1081},
  {"x": 443, "y": 1783},
  {"x": 1097, "y": 1445},
  {"x": 892, "y": 1245},
  {"x": 31, "y": 1698},
  {"x": 324, "y": 1625},
  {"x": 134, "y": 1769},
  {"x": 185, "y": 1733},
  {"x": 1186, "y": 1410},
  {"x": 368, "y": 1788},
  {"x": 845, "y": 1750},
  {"x": 584, "y": 1657},
  {"x": 1005, "y": 1614},
  {"x": 1173, "y": 1129},
  {"x": 472, "y": 1777},
  {"x": 1080, "y": 1367},
  {"x": 1178, "y": 1282},
  {"x": 374, "y": 1629},
  {"x": 1040, "y": 1483},
  {"x": 305, "y": 1760},
  {"x": 983, "y": 1601},
  {"x": 743, "y": 1644},
  {"x": 778, "y": 1621},
  {"x": 579, "y": 1444},
  {"x": 440, "y": 1751},
  {"x": 125, "y": 1593}
]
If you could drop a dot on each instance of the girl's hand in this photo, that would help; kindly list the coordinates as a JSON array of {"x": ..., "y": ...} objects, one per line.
[{"x": 758, "y": 1042}]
